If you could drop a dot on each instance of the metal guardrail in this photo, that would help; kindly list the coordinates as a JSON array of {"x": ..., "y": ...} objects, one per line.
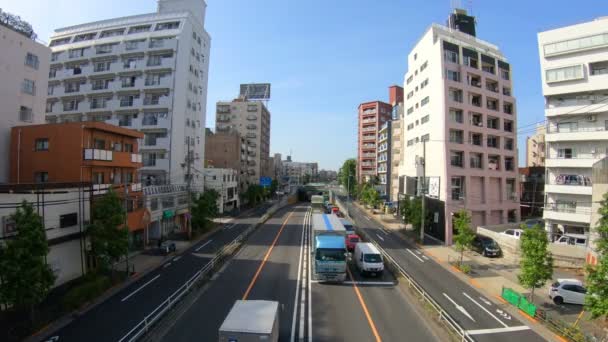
[
  {"x": 444, "y": 316},
  {"x": 228, "y": 250}
]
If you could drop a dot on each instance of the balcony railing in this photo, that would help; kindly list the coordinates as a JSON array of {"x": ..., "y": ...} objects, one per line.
[{"x": 95, "y": 154}]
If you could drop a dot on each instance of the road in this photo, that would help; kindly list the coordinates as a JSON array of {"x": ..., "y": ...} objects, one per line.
[
  {"x": 274, "y": 264},
  {"x": 113, "y": 318},
  {"x": 483, "y": 319}
]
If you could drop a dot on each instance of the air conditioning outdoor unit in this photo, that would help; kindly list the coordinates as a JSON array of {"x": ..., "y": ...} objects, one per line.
[{"x": 591, "y": 118}]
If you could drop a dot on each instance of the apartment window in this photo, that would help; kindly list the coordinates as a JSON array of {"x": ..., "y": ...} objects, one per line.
[
  {"x": 60, "y": 41},
  {"x": 153, "y": 79},
  {"x": 493, "y": 122},
  {"x": 504, "y": 74},
  {"x": 425, "y": 119},
  {"x": 450, "y": 56},
  {"x": 152, "y": 98},
  {"x": 488, "y": 64},
  {"x": 474, "y": 80},
  {"x": 476, "y": 119},
  {"x": 84, "y": 37},
  {"x": 565, "y": 153},
  {"x": 492, "y": 85},
  {"x": 452, "y": 75},
  {"x": 509, "y": 144},
  {"x": 476, "y": 160},
  {"x": 424, "y": 101},
  {"x": 98, "y": 178},
  {"x": 423, "y": 84},
  {"x": 68, "y": 220},
  {"x": 456, "y": 136},
  {"x": 41, "y": 177},
  {"x": 566, "y": 127},
  {"x": 130, "y": 63},
  {"x": 494, "y": 162},
  {"x": 492, "y": 103},
  {"x": 128, "y": 82},
  {"x": 25, "y": 114},
  {"x": 101, "y": 66},
  {"x": 154, "y": 60},
  {"x": 410, "y": 126},
  {"x": 28, "y": 87},
  {"x": 506, "y": 91},
  {"x": 470, "y": 58},
  {"x": 128, "y": 148},
  {"x": 456, "y": 158},
  {"x": 139, "y": 29},
  {"x": 410, "y": 110},
  {"x": 410, "y": 94},
  {"x": 511, "y": 192},
  {"x": 31, "y": 60},
  {"x": 410, "y": 79},
  {"x": 576, "y": 44},
  {"x": 70, "y": 105},
  {"x": 49, "y": 106},
  {"x": 569, "y": 73},
  {"x": 425, "y": 137},
  {"x": 53, "y": 72},
  {"x": 41, "y": 144},
  {"x": 127, "y": 100},
  {"x": 99, "y": 84},
  {"x": 508, "y": 125},
  {"x": 75, "y": 53},
  {"x": 457, "y": 188},
  {"x": 455, "y": 94},
  {"x": 507, "y": 107},
  {"x": 112, "y": 33},
  {"x": 104, "y": 48},
  {"x": 599, "y": 68},
  {"x": 125, "y": 120},
  {"x": 132, "y": 44},
  {"x": 167, "y": 26},
  {"x": 456, "y": 115},
  {"x": 509, "y": 164},
  {"x": 477, "y": 139},
  {"x": 493, "y": 141},
  {"x": 475, "y": 100}
]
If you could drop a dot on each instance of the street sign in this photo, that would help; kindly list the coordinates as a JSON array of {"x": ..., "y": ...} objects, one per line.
[{"x": 265, "y": 181}]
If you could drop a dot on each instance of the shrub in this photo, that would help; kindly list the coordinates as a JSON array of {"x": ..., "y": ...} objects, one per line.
[
  {"x": 87, "y": 291},
  {"x": 465, "y": 268}
]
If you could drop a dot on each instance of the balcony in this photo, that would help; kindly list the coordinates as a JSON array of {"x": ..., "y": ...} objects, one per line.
[
  {"x": 164, "y": 44},
  {"x": 568, "y": 189},
  {"x": 572, "y": 162},
  {"x": 164, "y": 82},
  {"x": 368, "y": 121},
  {"x": 155, "y": 122},
  {"x": 161, "y": 102},
  {"x": 127, "y": 103},
  {"x": 158, "y": 143},
  {"x": 593, "y": 104},
  {"x": 150, "y": 164},
  {"x": 578, "y": 134},
  {"x": 368, "y": 138},
  {"x": 95, "y": 154},
  {"x": 164, "y": 63},
  {"x": 576, "y": 214}
]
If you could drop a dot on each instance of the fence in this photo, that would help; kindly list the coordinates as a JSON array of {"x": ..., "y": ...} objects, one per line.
[
  {"x": 148, "y": 322},
  {"x": 518, "y": 300}
]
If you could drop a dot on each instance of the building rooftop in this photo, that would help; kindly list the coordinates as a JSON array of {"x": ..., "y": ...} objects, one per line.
[{"x": 101, "y": 126}]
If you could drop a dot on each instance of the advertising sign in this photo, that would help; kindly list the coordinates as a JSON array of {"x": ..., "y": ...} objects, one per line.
[{"x": 256, "y": 91}]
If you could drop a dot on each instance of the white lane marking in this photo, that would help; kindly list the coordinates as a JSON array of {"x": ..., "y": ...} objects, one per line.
[
  {"x": 140, "y": 288},
  {"x": 363, "y": 282},
  {"x": 486, "y": 310},
  {"x": 459, "y": 307},
  {"x": 380, "y": 237},
  {"x": 203, "y": 245},
  {"x": 167, "y": 265},
  {"x": 230, "y": 226},
  {"x": 485, "y": 301},
  {"x": 415, "y": 256},
  {"x": 497, "y": 330},
  {"x": 425, "y": 257},
  {"x": 308, "y": 246},
  {"x": 295, "y": 300},
  {"x": 504, "y": 314},
  {"x": 417, "y": 252},
  {"x": 177, "y": 258}
]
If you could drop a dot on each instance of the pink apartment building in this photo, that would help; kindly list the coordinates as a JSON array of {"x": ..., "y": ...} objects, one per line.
[
  {"x": 459, "y": 104},
  {"x": 372, "y": 115}
]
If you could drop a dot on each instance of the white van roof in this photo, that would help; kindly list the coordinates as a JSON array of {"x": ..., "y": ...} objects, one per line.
[
  {"x": 252, "y": 316},
  {"x": 367, "y": 248}
]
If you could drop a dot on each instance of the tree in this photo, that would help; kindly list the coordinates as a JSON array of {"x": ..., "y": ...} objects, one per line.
[
  {"x": 536, "y": 260},
  {"x": 306, "y": 179},
  {"x": 464, "y": 234},
  {"x": 411, "y": 211},
  {"x": 204, "y": 208},
  {"x": 253, "y": 194},
  {"x": 347, "y": 176},
  {"x": 596, "y": 300},
  {"x": 274, "y": 186},
  {"x": 25, "y": 277},
  {"x": 108, "y": 234}
]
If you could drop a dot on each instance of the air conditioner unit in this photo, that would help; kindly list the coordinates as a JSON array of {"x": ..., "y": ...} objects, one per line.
[{"x": 591, "y": 118}]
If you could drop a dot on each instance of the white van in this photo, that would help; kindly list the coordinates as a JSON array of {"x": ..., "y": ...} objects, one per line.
[
  {"x": 514, "y": 233},
  {"x": 579, "y": 240},
  {"x": 368, "y": 259}
]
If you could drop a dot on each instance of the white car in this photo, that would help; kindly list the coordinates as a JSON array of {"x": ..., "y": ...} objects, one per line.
[
  {"x": 568, "y": 291},
  {"x": 579, "y": 240},
  {"x": 514, "y": 233}
]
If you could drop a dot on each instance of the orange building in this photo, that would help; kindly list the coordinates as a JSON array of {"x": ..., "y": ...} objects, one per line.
[{"x": 105, "y": 155}]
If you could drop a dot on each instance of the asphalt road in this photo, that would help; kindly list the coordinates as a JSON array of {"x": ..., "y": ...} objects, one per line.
[
  {"x": 484, "y": 320},
  {"x": 113, "y": 318}
]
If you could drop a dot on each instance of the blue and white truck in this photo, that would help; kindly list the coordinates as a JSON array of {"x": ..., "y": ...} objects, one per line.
[{"x": 329, "y": 254}]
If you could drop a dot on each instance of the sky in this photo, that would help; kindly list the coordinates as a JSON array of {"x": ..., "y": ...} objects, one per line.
[{"x": 324, "y": 57}]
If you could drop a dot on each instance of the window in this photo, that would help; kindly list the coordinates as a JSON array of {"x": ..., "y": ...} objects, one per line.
[
  {"x": 455, "y": 95},
  {"x": 509, "y": 164},
  {"x": 127, "y": 100},
  {"x": 101, "y": 66},
  {"x": 98, "y": 178},
  {"x": 565, "y": 127},
  {"x": 130, "y": 62},
  {"x": 488, "y": 64},
  {"x": 153, "y": 79},
  {"x": 504, "y": 74},
  {"x": 49, "y": 106},
  {"x": 456, "y": 136},
  {"x": 476, "y": 160},
  {"x": 424, "y": 101},
  {"x": 474, "y": 80},
  {"x": 476, "y": 119},
  {"x": 25, "y": 114},
  {"x": 410, "y": 110},
  {"x": 450, "y": 56},
  {"x": 492, "y": 85},
  {"x": 565, "y": 153},
  {"x": 475, "y": 100},
  {"x": 506, "y": 91},
  {"x": 138, "y": 29},
  {"x": 410, "y": 126},
  {"x": 99, "y": 144},
  {"x": 424, "y": 65},
  {"x": 508, "y": 125},
  {"x": 509, "y": 144},
  {"x": 128, "y": 81},
  {"x": 154, "y": 60},
  {"x": 507, "y": 107},
  {"x": 569, "y": 73},
  {"x": 70, "y": 105},
  {"x": 425, "y": 137},
  {"x": 409, "y": 79},
  {"x": 470, "y": 61},
  {"x": 476, "y": 139},
  {"x": 452, "y": 75},
  {"x": 75, "y": 53},
  {"x": 583, "y": 43},
  {"x": 423, "y": 84},
  {"x": 494, "y": 162},
  {"x": 493, "y": 122},
  {"x": 410, "y": 142},
  {"x": 598, "y": 68},
  {"x": 83, "y": 37},
  {"x": 28, "y": 87},
  {"x": 104, "y": 48},
  {"x": 60, "y": 41},
  {"x": 31, "y": 60},
  {"x": 68, "y": 220},
  {"x": 41, "y": 144},
  {"x": 41, "y": 177},
  {"x": 128, "y": 148},
  {"x": 132, "y": 44},
  {"x": 53, "y": 72},
  {"x": 410, "y": 94},
  {"x": 167, "y": 26},
  {"x": 154, "y": 204},
  {"x": 457, "y": 187},
  {"x": 99, "y": 84},
  {"x": 456, "y": 158},
  {"x": 425, "y": 119},
  {"x": 493, "y": 141},
  {"x": 55, "y": 56},
  {"x": 456, "y": 115},
  {"x": 492, "y": 103},
  {"x": 112, "y": 33}
]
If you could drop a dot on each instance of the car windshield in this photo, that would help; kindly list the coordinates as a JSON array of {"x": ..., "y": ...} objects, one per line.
[
  {"x": 489, "y": 243},
  {"x": 372, "y": 258},
  {"x": 325, "y": 254}
]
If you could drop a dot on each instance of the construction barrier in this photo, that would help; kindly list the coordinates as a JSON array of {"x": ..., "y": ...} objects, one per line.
[{"x": 519, "y": 301}]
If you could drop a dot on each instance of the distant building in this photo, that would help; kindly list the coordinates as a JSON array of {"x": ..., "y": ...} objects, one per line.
[
  {"x": 298, "y": 172},
  {"x": 383, "y": 159},
  {"x": 252, "y": 120},
  {"x": 225, "y": 182},
  {"x": 395, "y": 141},
  {"x": 535, "y": 147},
  {"x": 24, "y": 65},
  {"x": 277, "y": 166},
  {"x": 226, "y": 150},
  {"x": 574, "y": 66},
  {"x": 327, "y": 175},
  {"x": 531, "y": 191},
  {"x": 372, "y": 115}
]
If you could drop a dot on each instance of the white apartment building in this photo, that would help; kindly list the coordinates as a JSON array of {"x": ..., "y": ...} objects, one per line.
[
  {"x": 459, "y": 104},
  {"x": 296, "y": 171},
  {"x": 574, "y": 67},
  {"x": 147, "y": 72},
  {"x": 226, "y": 183},
  {"x": 383, "y": 158},
  {"x": 24, "y": 65},
  {"x": 252, "y": 120}
]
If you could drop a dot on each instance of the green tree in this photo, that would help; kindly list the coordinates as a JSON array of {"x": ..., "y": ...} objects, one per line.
[
  {"x": 274, "y": 186},
  {"x": 347, "y": 176},
  {"x": 536, "y": 263},
  {"x": 596, "y": 300},
  {"x": 204, "y": 209},
  {"x": 411, "y": 211},
  {"x": 463, "y": 239},
  {"x": 108, "y": 234},
  {"x": 254, "y": 194},
  {"x": 306, "y": 179},
  {"x": 25, "y": 277}
]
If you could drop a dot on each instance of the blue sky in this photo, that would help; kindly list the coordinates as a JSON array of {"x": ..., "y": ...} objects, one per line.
[{"x": 323, "y": 57}]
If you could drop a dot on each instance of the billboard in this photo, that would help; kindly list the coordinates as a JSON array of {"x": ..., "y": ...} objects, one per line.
[{"x": 256, "y": 91}]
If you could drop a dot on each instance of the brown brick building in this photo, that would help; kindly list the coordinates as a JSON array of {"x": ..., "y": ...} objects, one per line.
[{"x": 226, "y": 150}]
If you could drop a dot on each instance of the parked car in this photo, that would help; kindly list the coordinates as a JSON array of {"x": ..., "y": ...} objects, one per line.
[
  {"x": 514, "y": 233},
  {"x": 486, "y": 246},
  {"x": 368, "y": 259},
  {"x": 351, "y": 241},
  {"x": 533, "y": 222},
  {"x": 167, "y": 247},
  {"x": 579, "y": 240},
  {"x": 568, "y": 291}
]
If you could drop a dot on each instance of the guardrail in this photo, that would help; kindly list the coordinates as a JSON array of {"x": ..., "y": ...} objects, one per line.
[
  {"x": 444, "y": 317},
  {"x": 228, "y": 250}
]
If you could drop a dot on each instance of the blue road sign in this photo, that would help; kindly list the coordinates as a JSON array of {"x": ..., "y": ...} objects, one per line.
[{"x": 265, "y": 181}]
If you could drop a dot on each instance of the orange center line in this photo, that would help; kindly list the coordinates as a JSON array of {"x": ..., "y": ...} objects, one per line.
[
  {"x": 257, "y": 273},
  {"x": 365, "y": 311}
]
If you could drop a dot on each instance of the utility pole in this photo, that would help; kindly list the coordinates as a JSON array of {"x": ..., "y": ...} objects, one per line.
[
  {"x": 127, "y": 224},
  {"x": 422, "y": 219},
  {"x": 189, "y": 191}
]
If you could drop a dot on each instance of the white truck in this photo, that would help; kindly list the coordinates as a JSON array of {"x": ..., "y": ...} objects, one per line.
[
  {"x": 251, "y": 321},
  {"x": 368, "y": 259},
  {"x": 328, "y": 248}
]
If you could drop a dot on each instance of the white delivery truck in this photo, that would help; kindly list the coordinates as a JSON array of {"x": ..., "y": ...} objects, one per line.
[
  {"x": 328, "y": 248},
  {"x": 251, "y": 321},
  {"x": 368, "y": 259},
  {"x": 317, "y": 202}
]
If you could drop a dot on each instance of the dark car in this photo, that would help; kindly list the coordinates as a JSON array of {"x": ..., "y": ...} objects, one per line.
[
  {"x": 167, "y": 247},
  {"x": 486, "y": 246}
]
